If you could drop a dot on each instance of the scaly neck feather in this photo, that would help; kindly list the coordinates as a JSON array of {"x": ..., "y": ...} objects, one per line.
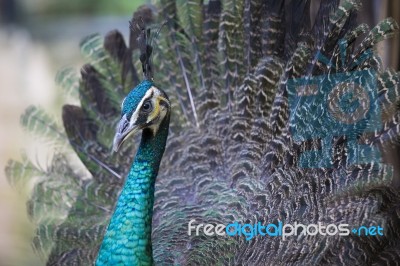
[{"x": 128, "y": 237}]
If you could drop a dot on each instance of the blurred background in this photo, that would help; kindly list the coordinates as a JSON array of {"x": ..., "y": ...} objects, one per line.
[{"x": 40, "y": 37}]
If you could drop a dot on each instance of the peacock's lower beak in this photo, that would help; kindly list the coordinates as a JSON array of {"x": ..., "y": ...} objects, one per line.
[{"x": 123, "y": 131}]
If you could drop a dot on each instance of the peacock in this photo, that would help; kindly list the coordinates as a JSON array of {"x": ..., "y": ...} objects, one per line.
[{"x": 250, "y": 112}]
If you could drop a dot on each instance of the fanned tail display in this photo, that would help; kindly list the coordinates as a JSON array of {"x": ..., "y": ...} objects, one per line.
[{"x": 275, "y": 117}]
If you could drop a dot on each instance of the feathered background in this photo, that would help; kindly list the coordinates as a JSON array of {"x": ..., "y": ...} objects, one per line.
[
  {"x": 35, "y": 43},
  {"x": 37, "y": 39}
]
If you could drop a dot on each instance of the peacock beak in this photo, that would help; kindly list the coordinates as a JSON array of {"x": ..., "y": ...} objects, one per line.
[{"x": 123, "y": 131}]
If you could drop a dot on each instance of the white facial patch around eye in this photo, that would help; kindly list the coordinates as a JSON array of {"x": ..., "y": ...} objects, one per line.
[
  {"x": 159, "y": 111},
  {"x": 154, "y": 127},
  {"x": 153, "y": 90},
  {"x": 159, "y": 114}
]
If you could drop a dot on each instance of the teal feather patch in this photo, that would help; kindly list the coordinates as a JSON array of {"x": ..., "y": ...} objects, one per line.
[{"x": 128, "y": 237}]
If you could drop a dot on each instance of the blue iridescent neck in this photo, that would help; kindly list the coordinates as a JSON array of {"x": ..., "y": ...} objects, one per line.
[{"x": 128, "y": 237}]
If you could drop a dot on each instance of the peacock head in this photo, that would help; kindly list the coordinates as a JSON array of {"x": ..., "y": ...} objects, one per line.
[{"x": 145, "y": 107}]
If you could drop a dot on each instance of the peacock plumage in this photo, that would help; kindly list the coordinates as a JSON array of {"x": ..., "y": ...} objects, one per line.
[{"x": 239, "y": 146}]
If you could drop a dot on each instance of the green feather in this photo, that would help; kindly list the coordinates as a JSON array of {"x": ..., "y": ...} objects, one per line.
[
  {"x": 38, "y": 123},
  {"x": 68, "y": 80}
]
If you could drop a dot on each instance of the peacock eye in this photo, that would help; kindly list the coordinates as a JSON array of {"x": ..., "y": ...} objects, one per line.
[{"x": 147, "y": 106}]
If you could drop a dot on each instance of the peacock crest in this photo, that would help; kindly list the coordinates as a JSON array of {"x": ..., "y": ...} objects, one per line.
[{"x": 273, "y": 118}]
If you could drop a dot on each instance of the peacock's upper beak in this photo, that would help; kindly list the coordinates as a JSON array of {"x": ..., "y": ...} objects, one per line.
[{"x": 124, "y": 129}]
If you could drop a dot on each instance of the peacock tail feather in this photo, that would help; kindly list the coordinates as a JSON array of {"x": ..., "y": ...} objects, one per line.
[{"x": 232, "y": 153}]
